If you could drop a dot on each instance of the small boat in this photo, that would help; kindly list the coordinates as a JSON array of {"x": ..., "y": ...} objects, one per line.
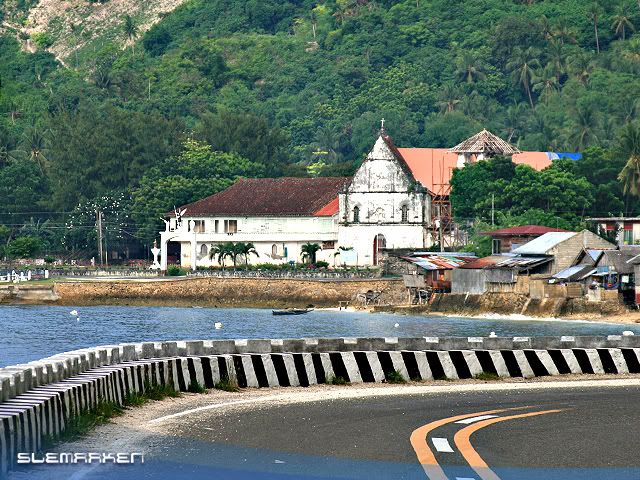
[{"x": 291, "y": 311}]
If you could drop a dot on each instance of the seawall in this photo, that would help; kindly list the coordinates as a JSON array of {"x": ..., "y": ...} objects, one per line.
[
  {"x": 228, "y": 292},
  {"x": 511, "y": 303},
  {"x": 40, "y": 398},
  {"x": 28, "y": 294}
]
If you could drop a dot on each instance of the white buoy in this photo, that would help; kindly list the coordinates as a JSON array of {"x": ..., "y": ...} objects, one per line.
[
  {"x": 628, "y": 333},
  {"x": 77, "y": 319},
  {"x": 74, "y": 313},
  {"x": 397, "y": 325},
  {"x": 218, "y": 325}
]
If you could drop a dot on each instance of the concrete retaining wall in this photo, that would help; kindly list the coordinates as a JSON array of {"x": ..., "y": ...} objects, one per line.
[{"x": 44, "y": 410}]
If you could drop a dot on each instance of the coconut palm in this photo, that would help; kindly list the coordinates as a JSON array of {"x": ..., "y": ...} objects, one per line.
[
  {"x": 622, "y": 22},
  {"x": 309, "y": 251},
  {"x": 630, "y": 176},
  {"x": 130, "y": 29},
  {"x": 245, "y": 250},
  {"x": 594, "y": 14},
  {"x": 584, "y": 126},
  {"x": 222, "y": 251},
  {"x": 545, "y": 83},
  {"x": 469, "y": 68},
  {"x": 34, "y": 146},
  {"x": 581, "y": 66},
  {"x": 557, "y": 59},
  {"x": 449, "y": 97},
  {"x": 522, "y": 66}
]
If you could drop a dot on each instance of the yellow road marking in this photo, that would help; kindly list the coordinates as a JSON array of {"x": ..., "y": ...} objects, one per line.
[
  {"x": 419, "y": 442},
  {"x": 475, "y": 461}
]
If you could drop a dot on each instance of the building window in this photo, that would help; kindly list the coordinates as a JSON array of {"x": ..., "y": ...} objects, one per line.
[
  {"x": 330, "y": 245},
  {"x": 274, "y": 250},
  {"x": 230, "y": 226},
  {"x": 405, "y": 213},
  {"x": 203, "y": 250},
  {"x": 496, "y": 246},
  {"x": 356, "y": 214},
  {"x": 216, "y": 226},
  {"x": 628, "y": 237},
  {"x": 198, "y": 226}
]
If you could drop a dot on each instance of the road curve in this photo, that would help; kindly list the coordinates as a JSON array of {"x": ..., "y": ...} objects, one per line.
[{"x": 549, "y": 433}]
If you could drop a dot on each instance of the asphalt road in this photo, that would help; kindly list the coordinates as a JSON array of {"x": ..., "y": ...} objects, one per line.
[{"x": 541, "y": 434}]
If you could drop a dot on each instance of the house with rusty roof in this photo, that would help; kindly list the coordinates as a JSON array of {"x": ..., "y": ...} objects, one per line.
[
  {"x": 504, "y": 240},
  {"x": 544, "y": 257},
  {"x": 397, "y": 199}
]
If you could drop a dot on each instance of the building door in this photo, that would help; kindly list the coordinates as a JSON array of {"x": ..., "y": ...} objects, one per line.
[{"x": 379, "y": 242}]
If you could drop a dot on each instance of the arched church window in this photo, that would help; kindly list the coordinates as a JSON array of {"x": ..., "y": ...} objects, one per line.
[
  {"x": 274, "y": 250},
  {"x": 203, "y": 249},
  {"x": 356, "y": 214},
  {"x": 405, "y": 213}
]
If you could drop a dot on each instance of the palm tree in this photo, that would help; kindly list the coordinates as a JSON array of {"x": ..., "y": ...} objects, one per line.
[
  {"x": 34, "y": 146},
  {"x": 449, "y": 97},
  {"x": 584, "y": 126},
  {"x": 629, "y": 142},
  {"x": 545, "y": 83},
  {"x": 594, "y": 15},
  {"x": 245, "y": 250},
  {"x": 470, "y": 69},
  {"x": 581, "y": 66},
  {"x": 130, "y": 30},
  {"x": 630, "y": 176},
  {"x": 222, "y": 251},
  {"x": 309, "y": 251},
  {"x": 557, "y": 59},
  {"x": 622, "y": 22},
  {"x": 563, "y": 33},
  {"x": 522, "y": 67}
]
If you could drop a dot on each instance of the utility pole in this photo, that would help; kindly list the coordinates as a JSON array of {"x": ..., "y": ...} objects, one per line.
[
  {"x": 99, "y": 228},
  {"x": 493, "y": 209}
]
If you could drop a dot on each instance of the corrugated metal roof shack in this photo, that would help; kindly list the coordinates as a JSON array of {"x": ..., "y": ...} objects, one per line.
[
  {"x": 436, "y": 267},
  {"x": 498, "y": 274}
]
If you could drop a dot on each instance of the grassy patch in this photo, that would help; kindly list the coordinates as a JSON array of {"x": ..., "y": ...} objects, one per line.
[
  {"x": 337, "y": 381},
  {"x": 395, "y": 377},
  {"x": 486, "y": 376},
  {"x": 227, "y": 385},
  {"x": 195, "y": 387}
]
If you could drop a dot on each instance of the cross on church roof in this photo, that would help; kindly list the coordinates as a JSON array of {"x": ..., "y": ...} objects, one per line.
[{"x": 382, "y": 125}]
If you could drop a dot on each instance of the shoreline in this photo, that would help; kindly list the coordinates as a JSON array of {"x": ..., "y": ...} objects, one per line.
[{"x": 322, "y": 295}]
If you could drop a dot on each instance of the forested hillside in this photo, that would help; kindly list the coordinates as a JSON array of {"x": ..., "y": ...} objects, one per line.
[{"x": 137, "y": 118}]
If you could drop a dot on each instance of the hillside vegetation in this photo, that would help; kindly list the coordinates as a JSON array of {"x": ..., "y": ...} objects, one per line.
[{"x": 298, "y": 87}]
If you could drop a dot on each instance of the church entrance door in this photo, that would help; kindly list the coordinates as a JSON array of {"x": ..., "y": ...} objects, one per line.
[{"x": 379, "y": 242}]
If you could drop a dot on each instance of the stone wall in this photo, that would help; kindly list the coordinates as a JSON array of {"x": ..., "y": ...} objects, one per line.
[
  {"x": 27, "y": 294},
  {"x": 229, "y": 292}
]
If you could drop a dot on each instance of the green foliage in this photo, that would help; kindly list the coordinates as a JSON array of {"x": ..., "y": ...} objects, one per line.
[
  {"x": 337, "y": 380},
  {"x": 298, "y": 88},
  {"x": 487, "y": 376},
  {"x": 175, "y": 271},
  {"x": 394, "y": 377},
  {"x": 309, "y": 252},
  {"x": 195, "y": 387},
  {"x": 228, "y": 385},
  {"x": 555, "y": 197},
  {"x": 24, "y": 247}
]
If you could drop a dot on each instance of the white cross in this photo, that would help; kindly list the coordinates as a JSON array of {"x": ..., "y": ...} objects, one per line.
[{"x": 382, "y": 124}]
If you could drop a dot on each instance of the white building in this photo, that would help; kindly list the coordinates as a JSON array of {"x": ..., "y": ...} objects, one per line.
[{"x": 277, "y": 215}]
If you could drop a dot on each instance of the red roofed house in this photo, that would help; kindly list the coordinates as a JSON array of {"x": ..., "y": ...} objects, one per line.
[
  {"x": 278, "y": 215},
  {"x": 506, "y": 239},
  {"x": 398, "y": 199}
]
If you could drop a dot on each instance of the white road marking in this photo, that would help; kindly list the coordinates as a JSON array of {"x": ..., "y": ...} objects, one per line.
[
  {"x": 442, "y": 445},
  {"x": 467, "y": 421},
  {"x": 354, "y": 392},
  {"x": 464, "y": 478}
]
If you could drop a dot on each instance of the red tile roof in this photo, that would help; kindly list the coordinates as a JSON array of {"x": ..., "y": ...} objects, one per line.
[
  {"x": 285, "y": 196},
  {"x": 525, "y": 230}
]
